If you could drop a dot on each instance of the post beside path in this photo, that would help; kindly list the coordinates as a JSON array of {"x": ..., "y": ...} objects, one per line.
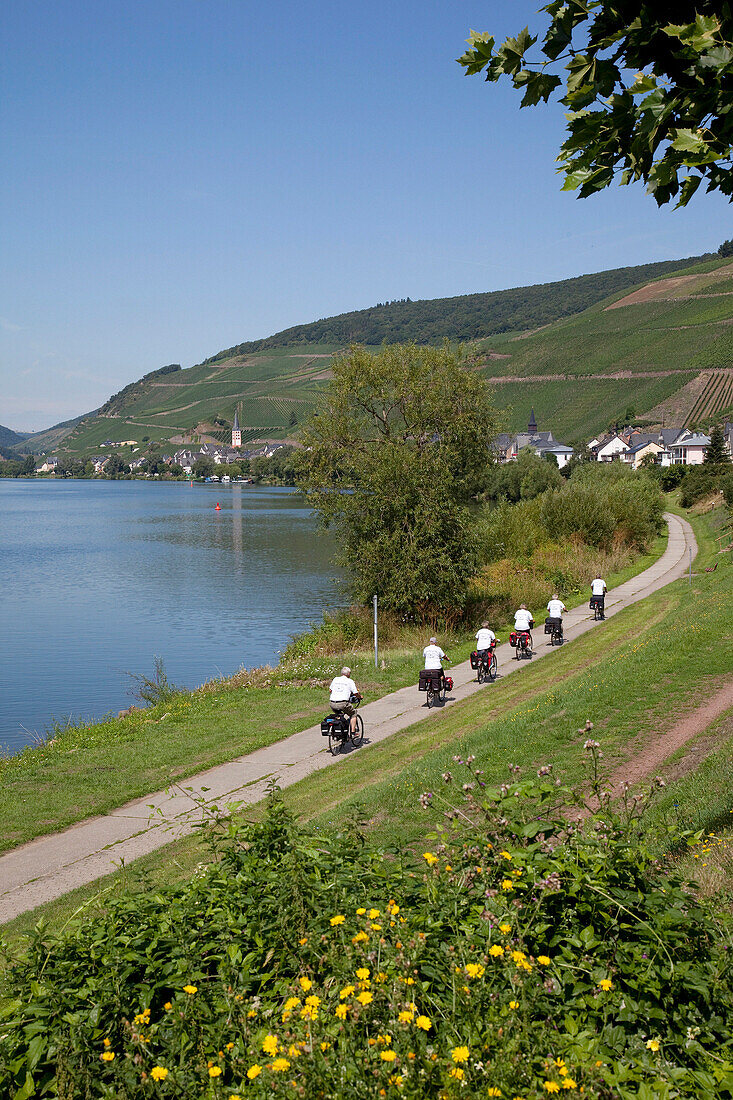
[{"x": 51, "y": 866}]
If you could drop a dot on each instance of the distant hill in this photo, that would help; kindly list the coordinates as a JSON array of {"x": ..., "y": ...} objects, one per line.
[
  {"x": 9, "y": 438},
  {"x": 466, "y": 317},
  {"x": 661, "y": 346}
]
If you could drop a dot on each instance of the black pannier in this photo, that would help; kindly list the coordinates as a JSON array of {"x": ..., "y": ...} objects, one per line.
[
  {"x": 552, "y": 623},
  {"x": 430, "y": 677}
]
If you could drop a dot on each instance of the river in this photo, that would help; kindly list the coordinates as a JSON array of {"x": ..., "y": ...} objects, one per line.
[{"x": 99, "y": 577}]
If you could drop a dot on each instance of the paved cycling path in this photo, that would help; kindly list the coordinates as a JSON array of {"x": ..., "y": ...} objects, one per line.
[{"x": 50, "y": 866}]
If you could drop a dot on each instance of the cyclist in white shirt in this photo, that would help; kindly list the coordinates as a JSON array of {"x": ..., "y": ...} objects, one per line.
[
  {"x": 523, "y": 620},
  {"x": 598, "y": 591},
  {"x": 556, "y": 608},
  {"x": 484, "y": 637},
  {"x": 342, "y": 688},
  {"x": 434, "y": 657}
]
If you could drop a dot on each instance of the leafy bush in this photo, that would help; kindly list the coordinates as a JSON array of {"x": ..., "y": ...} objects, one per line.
[
  {"x": 153, "y": 689},
  {"x": 699, "y": 482},
  {"x": 510, "y": 962}
]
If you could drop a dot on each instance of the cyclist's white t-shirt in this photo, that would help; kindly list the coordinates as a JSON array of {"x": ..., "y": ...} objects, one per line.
[
  {"x": 342, "y": 688},
  {"x": 522, "y": 619},
  {"x": 598, "y": 587},
  {"x": 433, "y": 655},
  {"x": 555, "y": 609},
  {"x": 484, "y": 638}
]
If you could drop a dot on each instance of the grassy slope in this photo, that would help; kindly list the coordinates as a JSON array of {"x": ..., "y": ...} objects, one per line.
[{"x": 638, "y": 671}]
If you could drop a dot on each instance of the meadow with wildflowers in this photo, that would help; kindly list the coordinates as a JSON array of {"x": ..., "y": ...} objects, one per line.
[{"x": 517, "y": 956}]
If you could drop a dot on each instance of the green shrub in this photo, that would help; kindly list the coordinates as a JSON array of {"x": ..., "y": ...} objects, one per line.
[
  {"x": 699, "y": 482},
  {"x": 510, "y": 962}
]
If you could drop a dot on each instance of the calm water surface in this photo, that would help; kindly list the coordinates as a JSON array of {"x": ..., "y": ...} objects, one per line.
[{"x": 98, "y": 577}]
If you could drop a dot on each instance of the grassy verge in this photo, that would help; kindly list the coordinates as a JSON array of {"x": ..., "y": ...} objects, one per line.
[
  {"x": 639, "y": 671},
  {"x": 89, "y": 770}
]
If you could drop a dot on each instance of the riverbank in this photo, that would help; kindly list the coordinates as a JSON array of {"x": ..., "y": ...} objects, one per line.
[{"x": 90, "y": 769}]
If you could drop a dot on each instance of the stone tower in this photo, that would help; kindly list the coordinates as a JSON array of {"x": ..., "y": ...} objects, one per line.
[
  {"x": 532, "y": 426},
  {"x": 236, "y": 431}
]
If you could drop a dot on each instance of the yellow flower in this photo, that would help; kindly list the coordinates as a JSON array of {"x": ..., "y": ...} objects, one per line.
[
  {"x": 108, "y": 1056},
  {"x": 347, "y": 991},
  {"x": 373, "y": 914},
  {"x": 365, "y": 998},
  {"x": 107, "y": 1042},
  {"x": 293, "y": 1051},
  {"x": 551, "y": 1086},
  {"x": 309, "y": 1012},
  {"x": 387, "y": 1055},
  {"x": 381, "y": 977},
  {"x": 460, "y": 1054},
  {"x": 424, "y": 1023},
  {"x": 363, "y": 973},
  {"x": 448, "y": 867},
  {"x": 518, "y": 956},
  {"x": 313, "y": 1001},
  {"x": 305, "y": 984},
  {"x": 325, "y": 1046},
  {"x": 606, "y": 984},
  {"x": 377, "y": 927},
  {"x": 214, "y": 1071},
  {"x": 280, "y": 1065},
  {"x": 339, "y": 919},
  {"x": 167, "y": 1006},
  {"x": 360, "y": 911},
  {"x": 506, "y": 855},
  {"x": 429, "y": 858},
  {"x": 159, "y": 1073},
  {"x": 251, "y": 1014},
  {"x": 270, "y": 1044},
  {"x": 505, "y": 928},
  {"x": 543, "y": 960},
  {"x": 405, "y": 1017},
  {"x": 229, "y": 1046},
  {"x": 456, "y": 1072},
  {"x": 190, "y": 989},
  {"x": 652, "y": 1044},
  {"x": 341, "y": 1011},
  {"x": 496, "y": 950},
  {"x": 568, "y": 1083},
  {"x": 359, "y": 937},
  {"x": 291, "y": 1003},
  {"x": 491, "y": 1091},
  {"x": 475, "y": 970},
  {"x": 514, "y": 1004},
  {"x": 303, "y": 941},
  {"x": 507, "y": 884},
  {"x": 254, "y": 1071},
  {"x": 393, "y": 908}
]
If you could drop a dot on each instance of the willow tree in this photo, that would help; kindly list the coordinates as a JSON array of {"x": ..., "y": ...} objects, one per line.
[{"x": 397, "y": 451}]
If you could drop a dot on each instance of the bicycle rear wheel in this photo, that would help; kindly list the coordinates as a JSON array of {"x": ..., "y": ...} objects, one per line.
[
  {"x": 493, "y": 667},
  {"x": 431, "y": 697},
  {"x": 481, "y": 676},
  {"x": 336, "y": 740},
  {"x": 358, "y": 734}
]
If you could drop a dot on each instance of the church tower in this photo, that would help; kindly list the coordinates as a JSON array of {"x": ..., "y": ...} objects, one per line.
[
  {"x": 532, "y": 426},
  {"x": 236, "y": 431}
]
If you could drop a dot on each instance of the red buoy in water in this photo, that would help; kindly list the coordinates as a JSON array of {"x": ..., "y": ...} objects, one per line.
[{"x": 218, "y": 506}]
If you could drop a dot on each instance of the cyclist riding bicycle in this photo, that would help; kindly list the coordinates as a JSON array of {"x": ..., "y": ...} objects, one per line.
[
  {"x": 523, "y": 622},
  {"x": 434, "y": 657},
  {"x": 342, "y": 688},
  {"x": 598, "y": 594},
  {"x": 555, "y": 610}
]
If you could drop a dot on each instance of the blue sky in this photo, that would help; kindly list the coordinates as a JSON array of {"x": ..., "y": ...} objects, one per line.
[{"x": 183, "y": 175}]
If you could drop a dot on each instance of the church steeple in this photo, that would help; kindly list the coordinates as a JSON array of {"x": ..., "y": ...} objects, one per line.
[
  {"x": 532, "y": 426},
  {"x": 236, "y": 431}
]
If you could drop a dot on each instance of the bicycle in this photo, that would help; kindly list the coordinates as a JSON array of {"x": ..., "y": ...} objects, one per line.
[
  {"x": 522, "y": 643},
  {"x": 436, "y": 686},
  {"x": 337, "y": 727},
  {"x": 487, "y": 666},
  {"x": 553, "y": 627},
  {"x": 597, "y": 607}
]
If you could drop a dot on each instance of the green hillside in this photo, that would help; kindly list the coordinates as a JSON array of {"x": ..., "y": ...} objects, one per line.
[
  {"x": 466, "y": 317},
  {"x": 662, "y": 346},
  {"x": 9, "y": 438}
]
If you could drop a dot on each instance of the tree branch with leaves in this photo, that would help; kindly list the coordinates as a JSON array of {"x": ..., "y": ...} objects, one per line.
[{"x": 648, "y": 87}]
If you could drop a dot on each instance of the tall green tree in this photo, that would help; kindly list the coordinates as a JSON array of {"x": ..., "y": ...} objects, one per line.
[
  {"x": 717, "y": 453},
  {"x": 396, "y": 453},
  {"x": 647, "y": 86}
]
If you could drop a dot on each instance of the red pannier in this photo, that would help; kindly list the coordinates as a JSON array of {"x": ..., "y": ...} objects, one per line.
[
  {"x": 474, "y": 659},
  {"x": 449, "y": 683},
  {"x": 513, "y": 639}
]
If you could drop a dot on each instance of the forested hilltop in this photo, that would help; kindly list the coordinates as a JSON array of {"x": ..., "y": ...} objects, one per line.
[{"x": 466, "y": 317}]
